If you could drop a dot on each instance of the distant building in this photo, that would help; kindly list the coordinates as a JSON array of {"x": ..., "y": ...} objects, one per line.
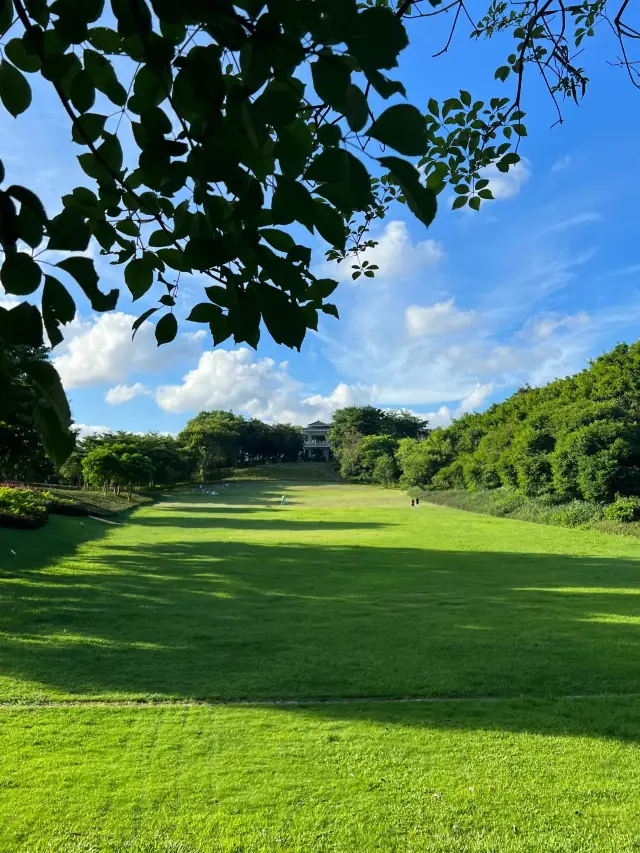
[{"x": 316, "y": 445}]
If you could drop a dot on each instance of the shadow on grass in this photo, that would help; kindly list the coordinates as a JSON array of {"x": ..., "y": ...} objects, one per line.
[{"x": 234, "y": 620}]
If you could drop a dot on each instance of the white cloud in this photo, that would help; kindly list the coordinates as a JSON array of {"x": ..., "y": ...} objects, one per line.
[
  {"x": 123, "y": 393},
  {"x": 396, "y": 255},
  {"x": 257, "y": 387},
  {"x": 561, "y": 163},
  {"x": 471, "y": 403},
  {"x": 85, "y": 429},
  {"x": 443, "y": 318},
  {"x": 505, "y": 185},
  {"x": 544, "y": 326},
  {"x": 100, "y": 349}
]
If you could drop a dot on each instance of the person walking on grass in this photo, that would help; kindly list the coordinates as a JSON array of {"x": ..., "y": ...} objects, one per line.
[
  {"x": 413, "y": 504},
  {"x": 417, "y": 501}
]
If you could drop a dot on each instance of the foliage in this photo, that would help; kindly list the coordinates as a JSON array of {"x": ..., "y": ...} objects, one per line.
[
  {"x": 576, "y": 438},
  {"x": 360, "y": 434},
  {"x": 22, "y": 439},
  {"x": 504, "y": 502},
  {"x": 101, "y": 467},
  {"x": 623, "y": 509},
  {"x": 385, "y": 470},
  {"x": 22, "y": 508},
  {"x": 220, "y": 439},
  {"x": 245, "y": 119}
]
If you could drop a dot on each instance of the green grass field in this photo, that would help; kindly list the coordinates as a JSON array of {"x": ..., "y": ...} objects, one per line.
[{"x": 118, "y": 645}]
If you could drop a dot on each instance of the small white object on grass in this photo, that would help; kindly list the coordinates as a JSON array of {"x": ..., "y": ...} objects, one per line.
[{"x": 13, "y": 552}]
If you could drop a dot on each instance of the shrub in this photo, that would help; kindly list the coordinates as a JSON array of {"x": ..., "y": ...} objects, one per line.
[
  {"x": 576, "y": 513},
  {"x": 22, "y": 508},
  {"x": 623, "y": 509}
]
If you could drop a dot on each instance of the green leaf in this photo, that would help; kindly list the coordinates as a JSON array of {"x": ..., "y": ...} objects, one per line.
[
  {"x": 58, "y": 308},
  {"x": 474, "y": 203},
  {"x": 104, "y": 77},
  {"x": 460, "y": 201},
  {"x": 383, "y": 86},
  {"x": 150, "y": 89},
  {"x": 329, "y": 135},
  {"x": 331, "y": 76},
  {"x": 175, "y": 259},
  {"x": 128, "y": 227},
  {"x": 68, "y": 231},
  {"x": 486, "y": 194},
  {"x": 142, "y": 319},
  {"x": 15, "y": 51},
  {"x": 160, "y": 238},
  {"x": 133, "y": 17},
  {"x": 378, "y": 38},
  {"x": 355, "y": 107},
  {"x": 282, "y": 317},
  {"x": 20, "y": 274},
  {"x": 292, "y": 202},
  {"x": 204, "y": 312},
  {"x": 6, "y": 15},
  {"x": 21, "y": 325},
  {"x": 344, "y": 179},
  {"x": 45, "y": 376},
  {"x": 82, "y": 92},
  {"x": 465, "y": 97},
  {"x": 502, "y": 73},
  {"x": 111, "y": 152},
  {"x": 138, "y": 275},
  {"x": 15, "y": 92},
  {"x": 87, "y": 128},
  {"x": 330, "y": 224},
  {"x": 9, "y": 230},
  {"x": 434, "y": 107},
  {"x": 402, "y": 127},
  {"x": 104, "y": 39},
  {"x": 280, "y": 240},
  {"x": 28, "y": 200},
  {"x": 328, "y": 308},
  {"x": 83, "y": 271},
  {"x": 421, "y": 200},
  {"x": 57, "y": 438},
  {"x": 520, "y": 129},
  {"x": 166, "y": 329}
]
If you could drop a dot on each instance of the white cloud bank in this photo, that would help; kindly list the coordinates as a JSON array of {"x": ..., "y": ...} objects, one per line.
[
  {"x": 101, "y": 350},
  {"x": 257, "y": 387},
  {"x": 443, "y": 318},
  {"x": 123, "y": 393}
]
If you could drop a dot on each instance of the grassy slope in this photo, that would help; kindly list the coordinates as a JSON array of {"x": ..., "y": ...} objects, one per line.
[
  {"x": 305, "y": 472},
  {"x": 98, "y": 502},
  {"x": 344, "y": 592}
]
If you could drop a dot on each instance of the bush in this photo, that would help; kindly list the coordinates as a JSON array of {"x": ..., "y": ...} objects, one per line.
[
  {"x": 623, "y": 509},
  {"x": 23, "y": 508},
  {"x": 576, "y": 513}
]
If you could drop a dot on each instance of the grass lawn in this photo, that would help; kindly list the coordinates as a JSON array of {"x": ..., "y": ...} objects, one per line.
[{"x": 344, "y": 593}]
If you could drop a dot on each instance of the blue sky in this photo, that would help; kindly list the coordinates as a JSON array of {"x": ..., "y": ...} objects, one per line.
[{"x": 529, "y": 289}]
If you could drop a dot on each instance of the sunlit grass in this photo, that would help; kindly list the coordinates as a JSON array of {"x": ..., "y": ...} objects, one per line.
[{"x": 345, "y": 592}]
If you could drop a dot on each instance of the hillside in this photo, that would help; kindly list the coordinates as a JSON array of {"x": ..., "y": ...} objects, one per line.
[{"x": 575, "y": 438}]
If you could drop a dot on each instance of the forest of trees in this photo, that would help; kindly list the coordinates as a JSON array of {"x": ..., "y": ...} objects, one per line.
[
  {"x": 575, "y": 438},
  {"x": 209, "y": 442}
]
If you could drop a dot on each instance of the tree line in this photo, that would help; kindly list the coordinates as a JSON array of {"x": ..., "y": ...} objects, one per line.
[
  {"x": 575, "y": 438},
  {"x": 209, "y": 442}
]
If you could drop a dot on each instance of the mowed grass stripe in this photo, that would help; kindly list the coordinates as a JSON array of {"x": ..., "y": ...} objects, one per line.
[{"x": 344, "y": 593}]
